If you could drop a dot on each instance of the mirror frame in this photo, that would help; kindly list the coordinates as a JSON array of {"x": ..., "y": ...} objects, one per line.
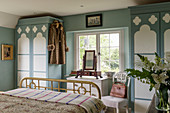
[{"x": 84, "y": 60}]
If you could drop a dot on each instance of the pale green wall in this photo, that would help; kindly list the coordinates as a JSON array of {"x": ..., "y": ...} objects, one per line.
[
  {"x": 70, "y": 54},
  {"x": 7, "y": 74},
  {"x": 112, "y": 20}
]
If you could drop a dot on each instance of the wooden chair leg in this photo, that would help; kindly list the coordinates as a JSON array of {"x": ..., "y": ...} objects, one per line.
[
  {"x": 127, "y": 109},
  {"x": 117, "y": 110},
  {"x": 114, "y": 109}
]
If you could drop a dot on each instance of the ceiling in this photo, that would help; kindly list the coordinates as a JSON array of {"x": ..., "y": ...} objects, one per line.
[{"x": 65, "y": 7}]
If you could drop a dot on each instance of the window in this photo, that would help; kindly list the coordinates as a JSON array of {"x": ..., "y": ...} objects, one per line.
[{"x": 108, "y": 46}]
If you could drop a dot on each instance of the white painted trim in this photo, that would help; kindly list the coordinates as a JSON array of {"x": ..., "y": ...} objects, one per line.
[
  {"x": 76, "y": 53},
  {"x": 98, "y": 50},
  {"x": 121, "y": 51},
  {"x": 8, "y": 20}
]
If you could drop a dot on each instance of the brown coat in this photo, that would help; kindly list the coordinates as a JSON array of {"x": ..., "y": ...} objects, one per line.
[{"x": 57, "y": 44}]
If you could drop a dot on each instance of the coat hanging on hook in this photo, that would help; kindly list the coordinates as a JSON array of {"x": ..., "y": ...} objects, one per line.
[{"x": 57, "y": 43}]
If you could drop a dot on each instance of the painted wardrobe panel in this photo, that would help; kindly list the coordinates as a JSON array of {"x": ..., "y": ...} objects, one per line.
[
  {"x": 32, "y": 40},
  {"x": 141, "y": 105},
  {"x": 145, "y": 29},
  {"x": 146, "y": 40},
  {"x": 165, "y": 34},
  {"x": 39, "y": 51},
  {"x": 22, "y": 52}
]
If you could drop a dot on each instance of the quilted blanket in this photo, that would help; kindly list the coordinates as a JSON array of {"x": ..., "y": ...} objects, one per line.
[{"x": 25, "y": 96}]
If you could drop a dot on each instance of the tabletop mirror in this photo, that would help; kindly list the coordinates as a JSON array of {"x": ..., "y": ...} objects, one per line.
[
  {"x": 89, "y": 60},
  {"x": 89, "y": 65}
]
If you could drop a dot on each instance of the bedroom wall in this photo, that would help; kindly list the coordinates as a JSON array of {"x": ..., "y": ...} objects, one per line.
[
  {"x": 112, "y": 20},
  {"x": 7, "y": 35},
  {"x": 7, "y": 71}
]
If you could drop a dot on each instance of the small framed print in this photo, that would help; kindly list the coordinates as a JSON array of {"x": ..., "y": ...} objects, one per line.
[
  {"x": 7, "y": 52},
  {"x": 94, "y": 20}
]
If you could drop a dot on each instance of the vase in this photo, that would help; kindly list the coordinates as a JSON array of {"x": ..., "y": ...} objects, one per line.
[{"x": 162, "y": 100}]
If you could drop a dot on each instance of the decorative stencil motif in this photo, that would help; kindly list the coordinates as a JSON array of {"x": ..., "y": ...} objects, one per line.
[
  {"x": 19, "y": 30},
  {"x": 43, "y": 28},
  {"x": 27, "y": 29},
  {"x": 137, "y": 20},
  {"x": 166, "y": 18},
  {"x": 152, "y": 19},
  {"x": 34, "y": 29}
]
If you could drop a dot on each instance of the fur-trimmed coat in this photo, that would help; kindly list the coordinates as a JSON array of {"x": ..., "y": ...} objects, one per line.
[{"x": 57, "y": 44}]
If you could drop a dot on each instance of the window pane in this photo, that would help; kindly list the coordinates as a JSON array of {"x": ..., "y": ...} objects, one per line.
[
  {"x": 81, "y": 54},
  {"x": 105, "y": 66},
  {"x": 109, "y": 49},
  {"x": 86, "y": 42},
  {"x": 83, "y": 41},
  {"x": 92, "y": 41},
  {"x": 114, "y": 39},
  {"x": 104, "y": 40},
  {"x": 104, "y": 54},
  {"x": 114, "y": 65},
  {"x": 114, "y": 53}
]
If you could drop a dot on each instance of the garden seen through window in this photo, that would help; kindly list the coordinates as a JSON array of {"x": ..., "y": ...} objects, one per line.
[{"x": 106, "y": 46}]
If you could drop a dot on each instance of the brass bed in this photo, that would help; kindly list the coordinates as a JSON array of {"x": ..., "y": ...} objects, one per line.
[
  {"x": 33, "y": 84},
  {"x": 10, "y": 99}
]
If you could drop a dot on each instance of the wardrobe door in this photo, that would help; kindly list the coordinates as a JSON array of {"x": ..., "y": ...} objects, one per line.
[
  {"x": 39, "y": 51},
  {"x": 145, "y": 32},
  {"x": 165, "y": 34},
  {"x": 23, "y": 51}
]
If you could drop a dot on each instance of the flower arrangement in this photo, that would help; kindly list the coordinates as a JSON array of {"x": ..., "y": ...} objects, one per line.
[{"x": 157, "y": 74}]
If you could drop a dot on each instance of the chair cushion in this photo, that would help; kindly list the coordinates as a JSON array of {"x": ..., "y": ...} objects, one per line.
[{"x": 114, "y": 101}]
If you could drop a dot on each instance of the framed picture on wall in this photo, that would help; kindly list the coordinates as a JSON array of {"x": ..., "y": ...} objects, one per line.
[
  {"x": 94, "y": 20},
  {"x": 7, "y": 52}
]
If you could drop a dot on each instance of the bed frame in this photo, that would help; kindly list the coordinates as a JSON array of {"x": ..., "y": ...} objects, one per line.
[{"x": 31, "y": 83}]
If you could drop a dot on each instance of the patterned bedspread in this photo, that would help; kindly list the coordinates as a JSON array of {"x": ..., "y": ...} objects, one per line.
[
  {"x": 9, "y": 104},
  {"x": 31, "y": 100}
]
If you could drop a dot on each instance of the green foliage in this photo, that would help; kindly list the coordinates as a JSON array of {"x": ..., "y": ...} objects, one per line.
[
  {"x": 110, "y": 62},
  {"x": 149, "y": 68}
]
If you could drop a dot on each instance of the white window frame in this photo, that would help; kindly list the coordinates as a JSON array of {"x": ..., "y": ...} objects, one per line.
[{"x": 121, "y": 47}]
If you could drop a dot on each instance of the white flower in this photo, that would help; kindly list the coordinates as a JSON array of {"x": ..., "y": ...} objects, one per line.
[
  {"x": 160, "y": 66},
  {"x": 159, "y": 79},
  {"x": 157, "y": 86},
  {"x": 167, "y": 67}
]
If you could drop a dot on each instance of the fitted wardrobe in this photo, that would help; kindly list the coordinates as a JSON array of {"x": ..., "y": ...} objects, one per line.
[
  {"x": 150, "y": 33},
  {"x": 31, "y": 49}
]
